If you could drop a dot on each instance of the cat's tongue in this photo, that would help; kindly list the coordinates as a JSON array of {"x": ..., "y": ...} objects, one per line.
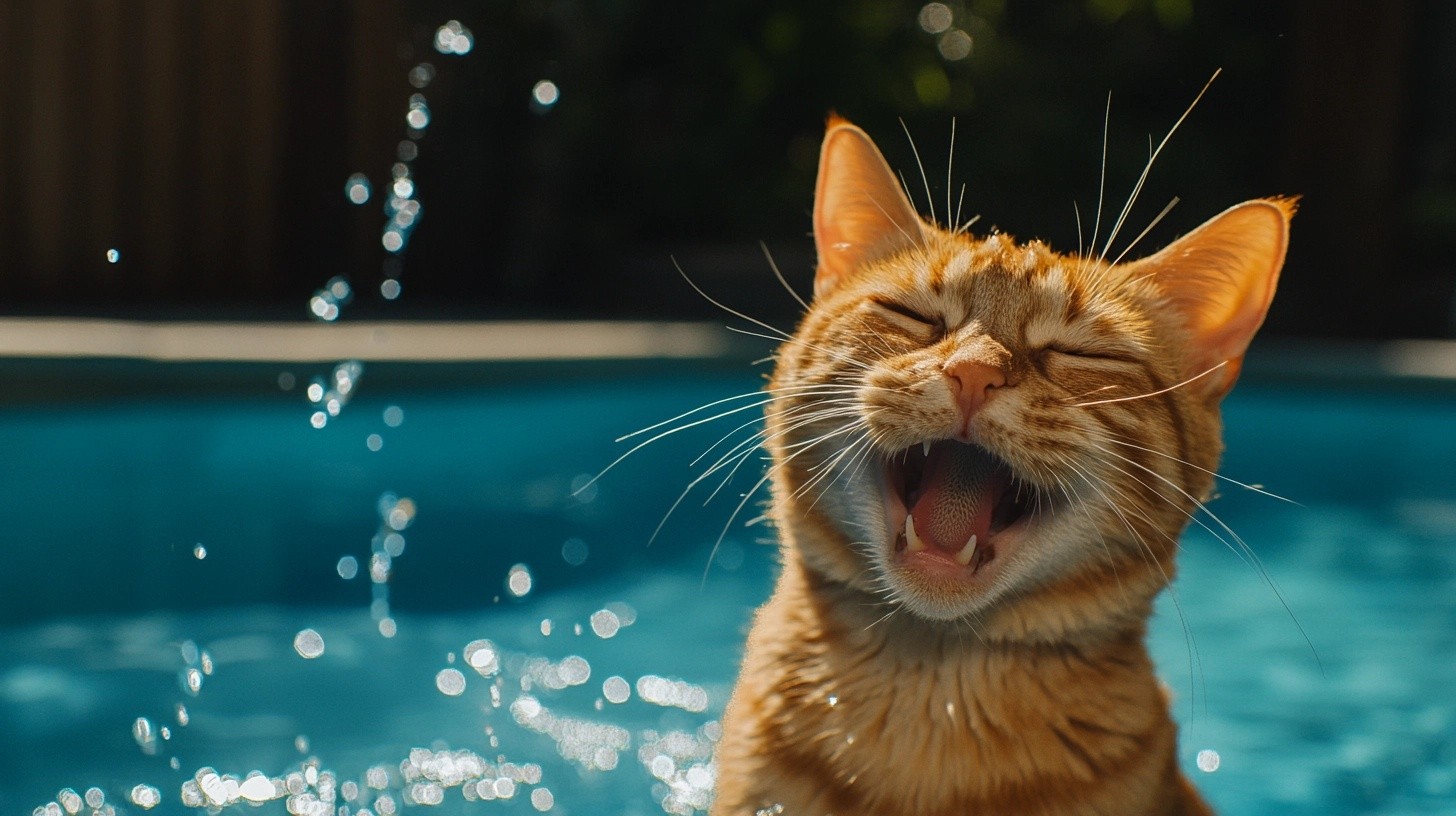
[{"x": 959, "y": 489}]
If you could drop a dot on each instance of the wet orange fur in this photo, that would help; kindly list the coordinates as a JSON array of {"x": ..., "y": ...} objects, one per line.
[{"x": 868, "y": 688}]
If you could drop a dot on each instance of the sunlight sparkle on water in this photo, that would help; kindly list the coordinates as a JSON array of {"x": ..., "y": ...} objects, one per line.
[
  {"x": 309, "y": 644},
  {"x": 605, "y": 624},
  {"x": 616, "y": 689},
  {"x": 481, "y": 655},
  {"x": 199, "y": 552},
  {"x": 146, "y": 797},
  {"x": 450, "y": 682},
  {"x": 393, "y": 416},
  {"x": 348, "y": 567},
  {"x": 574, "y": 552}
]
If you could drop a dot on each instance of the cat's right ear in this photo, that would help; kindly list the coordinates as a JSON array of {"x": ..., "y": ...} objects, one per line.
[{"x": 860, "y": 211}]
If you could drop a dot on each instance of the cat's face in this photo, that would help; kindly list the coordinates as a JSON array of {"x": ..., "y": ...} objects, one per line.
[{"x": 964, "y": 421}]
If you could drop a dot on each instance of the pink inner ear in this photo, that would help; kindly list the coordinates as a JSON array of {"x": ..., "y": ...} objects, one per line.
[
  {"x": 860, "y": 212},
  {"x": 1221, "y": 277}
]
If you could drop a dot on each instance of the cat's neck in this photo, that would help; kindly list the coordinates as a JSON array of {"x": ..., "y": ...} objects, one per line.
[{"x": 1028, "y": 628}]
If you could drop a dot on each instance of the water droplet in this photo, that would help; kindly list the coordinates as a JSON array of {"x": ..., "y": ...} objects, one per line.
[
  {"x": 1208, "y": 760},
  {"x": 113, "y": 255},
  {"x": 542, "y": 799},
  {"x": 286, "y": 381},
  {"x": 392, "y": 239},
  {"x": 357, "y": 189},
  {"x": 183, "y": 718},
  {"x": 546, "y": 626},
  {"x": 544, "y": 95},
  {"x": 191, "y": 680},
  {"x": 374, "y": 442},
  {"x": 518, "y": 581},
  {"x": 387, "y": 627},
  {"x": 309, "y": 644},
  {"x": 454, "y": 38},
  {"x": 348, "y": 567},
  {"x": 199, "y": 552},
  {"x": 420, "y": 75},
  {"x": 450, "y": 682},
  {"x": 389, "y": 289},
  {"x": 145, "y": 735},
  {"x": 300, "y": 743}
]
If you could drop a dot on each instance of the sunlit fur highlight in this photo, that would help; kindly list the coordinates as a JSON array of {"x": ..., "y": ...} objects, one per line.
[{"x": 868, "y": 690}]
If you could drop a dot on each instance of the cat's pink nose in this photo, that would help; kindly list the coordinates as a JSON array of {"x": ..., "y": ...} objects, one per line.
[{"x": 971, "y": 383}]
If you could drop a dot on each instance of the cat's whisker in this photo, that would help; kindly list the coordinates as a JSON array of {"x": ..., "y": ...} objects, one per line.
[
  {"x": 696, "y": 288},
  {"x": 837, "y": 355},
  {"x": 1159, "y": 217},
  {"x": 1147, "y": 168},
  {"x": 963, "y": 227},
  {"x": 1101, "y": 191},
  {"x": 780, "y": 275},
  {"x": 1190, "y": 641},
  {"x": 949, "y": 163},
  {"x": 1243, "y": 550},
  {"x": 1173, "y": 387},
  {"x": 1090, "y": 393},
  {"x": 915, "y": 151},
  {"x": 1214, "y": 474},
  {"x": 728, "y": 525}
]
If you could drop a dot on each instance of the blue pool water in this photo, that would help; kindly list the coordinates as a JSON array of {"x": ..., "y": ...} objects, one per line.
[{"x": 180, "y": 544}]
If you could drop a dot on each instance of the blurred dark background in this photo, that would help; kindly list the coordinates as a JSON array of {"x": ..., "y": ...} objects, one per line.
[{"x": 562, "y": 152}]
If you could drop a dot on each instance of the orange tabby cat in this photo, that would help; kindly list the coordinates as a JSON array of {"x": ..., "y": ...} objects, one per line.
[{"x": 983, "y": 455}]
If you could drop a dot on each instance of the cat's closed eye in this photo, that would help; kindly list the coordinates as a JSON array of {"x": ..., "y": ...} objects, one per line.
[
  {"x": 910, "y": 314},
  {"x": 1087, "y": 352}
]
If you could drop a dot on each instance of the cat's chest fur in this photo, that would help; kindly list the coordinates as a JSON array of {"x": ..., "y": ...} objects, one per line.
[{"x": 847, "y": 716}]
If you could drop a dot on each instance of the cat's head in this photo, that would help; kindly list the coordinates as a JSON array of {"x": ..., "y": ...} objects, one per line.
[{"x": 963, "y": 423}]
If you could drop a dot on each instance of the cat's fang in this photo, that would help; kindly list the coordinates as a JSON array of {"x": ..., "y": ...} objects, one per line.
[
  {"x": 925, "y": 448},
  {"x": 967, "y": 552},
  {"x": 912, "y": 541}
]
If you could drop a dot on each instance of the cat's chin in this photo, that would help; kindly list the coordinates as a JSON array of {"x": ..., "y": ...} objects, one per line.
[{"x": 956, "y": 515}]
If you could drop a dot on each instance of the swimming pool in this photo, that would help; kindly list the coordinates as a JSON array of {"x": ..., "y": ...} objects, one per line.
[{"x": 175, "y": 559}]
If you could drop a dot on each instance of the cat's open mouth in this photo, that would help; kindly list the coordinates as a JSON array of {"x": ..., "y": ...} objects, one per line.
[{"x": 951, "y": 502}]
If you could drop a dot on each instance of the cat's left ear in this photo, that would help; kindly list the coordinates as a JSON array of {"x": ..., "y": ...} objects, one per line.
[
  {"x": 861, "y": 213},
  {"x": 1220, "y": 278}
]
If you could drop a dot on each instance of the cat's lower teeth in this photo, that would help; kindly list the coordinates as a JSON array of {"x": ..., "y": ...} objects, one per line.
[
  {"x": 912, "y": 541},
  {"x": 967, "y": 552}
]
